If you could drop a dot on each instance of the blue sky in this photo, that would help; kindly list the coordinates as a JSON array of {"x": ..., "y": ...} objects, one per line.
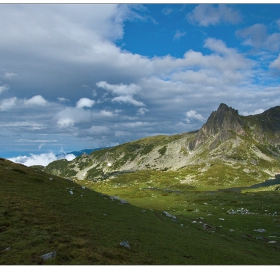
[{"x": 78, "y": 76}]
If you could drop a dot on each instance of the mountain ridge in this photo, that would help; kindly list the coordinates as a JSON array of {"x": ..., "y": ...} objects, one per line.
[{"x": 227, "y": 138}]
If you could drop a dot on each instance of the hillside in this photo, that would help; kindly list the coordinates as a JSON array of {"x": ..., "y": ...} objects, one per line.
[
  {"x": 42, "y": 214},
  {"x": 229, "y": 150}
]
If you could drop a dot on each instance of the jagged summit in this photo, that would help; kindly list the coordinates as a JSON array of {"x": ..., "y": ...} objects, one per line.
[{"x": 221, "y": 123}]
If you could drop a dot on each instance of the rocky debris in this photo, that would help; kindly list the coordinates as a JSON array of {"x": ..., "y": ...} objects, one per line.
[
  {"x": 260, "y": 230},
  {"x": 125, "y": 244},
  {"x": 123, "y": 201},
  {"x": 48, "y": 256},
  {"x": 209, "y": 227},
  {"x": 169, "y": 215},
  {"x": 241, "y": 211}
]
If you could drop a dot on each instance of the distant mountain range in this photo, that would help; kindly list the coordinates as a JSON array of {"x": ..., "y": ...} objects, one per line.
[{"x": 228, "y": 149}]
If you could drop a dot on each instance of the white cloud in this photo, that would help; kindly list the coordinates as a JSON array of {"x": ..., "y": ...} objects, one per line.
[
  {"x": 120, "y": 89},
  {"x": 85, "y": 102},
  {"x": 125, "y": 92},
  {"x": 7, "y": 104},
  {"x": 142, "y": 111},
  {"x": 192, "y": 114},
  {"x": 179, "y": 34},
  {"x": 36, "y": 100},
  {"x": 40, "y": 159},
  {"x": 127, "y": 99},
  {"x": 65, "y": 122},
  {"x": 4, "y": 88},
  {"x": 257, "y": 37},
  {"x": 255, "y": 112},
  {"x": 70, "y": 116},
  {"x": 107, "y": 113},
  {"x": 275, "y": 63},
  {"x": 14, "y": 102},
  {"x": 207, "y": 14}
]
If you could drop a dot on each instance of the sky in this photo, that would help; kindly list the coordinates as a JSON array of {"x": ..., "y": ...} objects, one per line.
[{"x": 82, "y": 76}]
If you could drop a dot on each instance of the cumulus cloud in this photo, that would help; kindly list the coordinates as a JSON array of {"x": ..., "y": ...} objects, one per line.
[
  {"x": 65, "y": 122},
  {"x": 125, "y": 92},
  {"x": 70, "y": 116},
  {"x": 120, "y": 89},
  {"x": 142, "y": 111},
  {"x": 40, "y": 159},
  {"x": 257, "y": 37},
  {"x": 107, "y": 113},
  {"x": 13, "y": 102},
  {"x": 275, "y": 63},
  {"x": 7, "y": 104},
  {"x": 207, "y": 14},
  {"x": 36, "y": 100},
  {"x": 85, "y": 102},
  {"x": 4, "y": 88},
  {"x": 192, "y": 114},
  {"x": 127, "y": 99}
]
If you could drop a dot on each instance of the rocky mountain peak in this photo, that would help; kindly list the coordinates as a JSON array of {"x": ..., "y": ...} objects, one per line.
[{"x": 221, "y": 124}]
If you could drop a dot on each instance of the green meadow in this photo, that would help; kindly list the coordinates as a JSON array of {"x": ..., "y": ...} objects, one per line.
[{"x": 167, "y": 223}]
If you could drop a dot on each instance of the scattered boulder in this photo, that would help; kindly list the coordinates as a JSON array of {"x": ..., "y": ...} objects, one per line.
[
  {"x": 260, "y": 230},
  {"x": 169, "y": 215},
  {"x": 48, "y": 256},
  {"x": 123, "y": 201},
  {"x": 125, "y": 244}
]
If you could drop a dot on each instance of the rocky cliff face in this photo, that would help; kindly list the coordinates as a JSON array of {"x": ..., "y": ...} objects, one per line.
[
  {"x": 265, "y": 127},
  {"x": 220, "y": 126}
]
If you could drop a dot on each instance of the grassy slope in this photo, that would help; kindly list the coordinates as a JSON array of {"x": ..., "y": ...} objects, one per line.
[{"x": 39, "y": 215}]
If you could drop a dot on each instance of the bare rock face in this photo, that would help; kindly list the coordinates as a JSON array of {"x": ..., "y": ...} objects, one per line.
[
  {"x": 266, "y": 126},
  {"x": 221, "y": 125}
]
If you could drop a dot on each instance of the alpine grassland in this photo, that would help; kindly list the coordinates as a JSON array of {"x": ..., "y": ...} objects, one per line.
[{"x": 167, "y": 223}]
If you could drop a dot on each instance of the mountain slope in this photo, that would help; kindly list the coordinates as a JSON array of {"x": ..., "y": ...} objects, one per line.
[
  {"x": 247, "y": 146},
  {"x": 40, "y": 214}
]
